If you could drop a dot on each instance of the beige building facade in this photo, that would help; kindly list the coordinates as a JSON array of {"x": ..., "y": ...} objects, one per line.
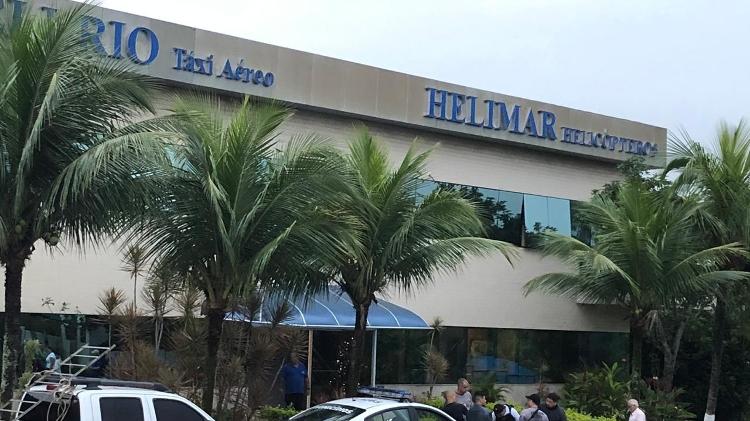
[{"x": 535, "y": 152}]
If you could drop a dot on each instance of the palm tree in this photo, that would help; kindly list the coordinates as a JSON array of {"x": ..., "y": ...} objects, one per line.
[
  {"x": 241, "y": 214},
  {"x": 647, "y": 253},
  {"x": 721, "y": 175},
  {"x": 402, "y": 243},
  {"x": 134, "y": 262},
  {"x": 68, "y": 150},
  {"x": 110, "y": 301}
]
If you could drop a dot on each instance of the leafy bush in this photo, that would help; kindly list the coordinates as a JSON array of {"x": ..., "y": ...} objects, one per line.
[
  {"x": 276, "y": 413},
  {"x": 435, "y": 402},
  {"x": 603, "y": 392},
  {"x": 487, "y": 384},
  {"x": 660, "y": 405},
  {"x": 577, "y": 416}
]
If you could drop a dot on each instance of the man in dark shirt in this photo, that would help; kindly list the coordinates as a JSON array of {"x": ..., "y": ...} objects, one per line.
[
  {"x": 456, "y": 410},
  {"x": 296, "y": 383},
  {"x": 552, "y": 409},
  {"x": 478, "y": 412}
]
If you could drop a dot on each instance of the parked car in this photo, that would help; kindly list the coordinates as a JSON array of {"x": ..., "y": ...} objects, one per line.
[
  {"x": 371, "y": 409},
  {"x": 107, "y": 400}
]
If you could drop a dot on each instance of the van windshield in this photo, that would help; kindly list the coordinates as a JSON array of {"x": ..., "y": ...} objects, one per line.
[{"x": 329, "y": 412}]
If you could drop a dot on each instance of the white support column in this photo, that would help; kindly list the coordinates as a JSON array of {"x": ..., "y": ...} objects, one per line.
[{"x": 374, "y": 362}]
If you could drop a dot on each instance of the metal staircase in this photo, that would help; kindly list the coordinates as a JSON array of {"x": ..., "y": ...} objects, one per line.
[{"x": 76, "y": 364}]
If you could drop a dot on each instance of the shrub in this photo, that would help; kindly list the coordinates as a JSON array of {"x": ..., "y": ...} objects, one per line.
[
  {"x": 435, "y": 402},
  {"x": 603, "y": 392},
  {"x": 276, "y": 413},
  {"x": 577, "y": 416},
  {"x": 660, "y": 405}
]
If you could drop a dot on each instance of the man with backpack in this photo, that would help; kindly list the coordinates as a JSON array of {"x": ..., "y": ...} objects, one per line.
[{"x": 532, "y": 412}]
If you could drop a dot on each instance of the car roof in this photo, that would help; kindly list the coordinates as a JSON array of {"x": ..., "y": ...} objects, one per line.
[
  {"x": 369, "y": 403},
  {"x": 38, "y": 391}
]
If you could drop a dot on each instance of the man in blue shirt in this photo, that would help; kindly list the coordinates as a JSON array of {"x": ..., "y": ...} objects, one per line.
[{"x": 296, "y": 383}]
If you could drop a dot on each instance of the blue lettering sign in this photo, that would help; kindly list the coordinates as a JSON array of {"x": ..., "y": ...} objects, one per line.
[
  {"x": 132, "y": 41},
  {"x": 500, "y": 116}
]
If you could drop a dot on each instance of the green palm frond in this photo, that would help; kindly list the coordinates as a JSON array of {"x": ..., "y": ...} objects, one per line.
[
  {"x": 649, "y": 250},
  {"x": 402, "y": 244}
]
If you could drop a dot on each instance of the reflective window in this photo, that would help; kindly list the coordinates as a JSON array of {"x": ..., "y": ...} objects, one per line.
[
  {"x": 513, "y": 356},
  {"x": 425, "y": 189},
  {"x": 515, "y": 218},
  {"x": 121, "y": 409},
  {"x": 559, "y": 215},
  {"x": 579, "y": 229},
  {"x": 427, "y": 415},
  {"x": 172, "y": 410}
]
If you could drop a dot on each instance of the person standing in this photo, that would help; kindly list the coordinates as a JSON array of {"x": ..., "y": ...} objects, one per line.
[
  {"x": 50, "y": 361},
  {"x": 552, "y": 409},
  {"x": 463, "y": 395},
  {"x": 456, "y": 410},
  {"x": 478, "y": 412},
  {"x": 636, "y": 414},
  {"x": 532, "y": 412},
  {"x": 296, "y": 383}
]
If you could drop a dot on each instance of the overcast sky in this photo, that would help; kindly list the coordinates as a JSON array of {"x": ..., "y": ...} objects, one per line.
[{"x": 672, "y": 63}]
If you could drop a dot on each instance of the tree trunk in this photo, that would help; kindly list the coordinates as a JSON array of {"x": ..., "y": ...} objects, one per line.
[
  {"x": 215, "y": 318},
  {"x": 356, "y": 352},
  {"x": 719, "y": 333},
  {"x": 636, "y": 346},
  {"x": 12, "y": 340},
  {"x": 671, "y": 351}
]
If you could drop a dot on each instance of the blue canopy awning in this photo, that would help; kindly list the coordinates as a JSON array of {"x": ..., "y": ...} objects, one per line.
[{"x": 332, "y": 310}]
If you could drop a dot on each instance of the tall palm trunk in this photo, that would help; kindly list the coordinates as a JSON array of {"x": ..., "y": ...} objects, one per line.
[
  {"x": 719, "y": 332},
  {"x": 12, "y": 339},
  {"x": 215, "y": 318},
  {"x": 636, "y": 345},
  {"x": 357, "y": 350}
]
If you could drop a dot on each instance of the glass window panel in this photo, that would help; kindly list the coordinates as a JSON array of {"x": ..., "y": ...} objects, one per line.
[
  {"x": 172, "y": 410},
  {"x": 428, "y": 415},
  {"x": 121, "y": 409},
  {"x": 559, "y": 215},
  {"x": 425, "y": 189},
  {"x": 508, "y": 223},
  {"x": 579, "y": 229},
  {"x": 535, "y": 213}
]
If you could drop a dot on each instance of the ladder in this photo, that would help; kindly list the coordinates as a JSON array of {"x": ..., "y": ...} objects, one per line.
[{"x": 77, "y": 363}]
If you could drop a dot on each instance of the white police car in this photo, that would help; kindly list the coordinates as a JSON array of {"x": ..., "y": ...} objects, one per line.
[{"x": 371, "y": 409}]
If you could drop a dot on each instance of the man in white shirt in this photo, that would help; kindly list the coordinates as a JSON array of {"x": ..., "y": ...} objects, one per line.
[
  {"x": 49, "y": 362},
  {"x": 636, "y": 414},
  {"x": 463, "y": 396}
]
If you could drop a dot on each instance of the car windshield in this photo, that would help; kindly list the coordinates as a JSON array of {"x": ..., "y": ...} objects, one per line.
[{"x": 329, "y": 412}]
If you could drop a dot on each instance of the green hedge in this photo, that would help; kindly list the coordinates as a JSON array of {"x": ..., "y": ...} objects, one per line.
[{"x": 276, "y": 413}]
